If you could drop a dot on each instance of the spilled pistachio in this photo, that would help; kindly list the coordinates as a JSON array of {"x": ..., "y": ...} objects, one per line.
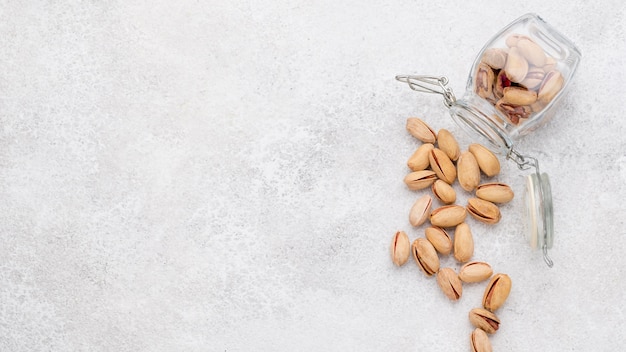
[
  {"x": 419, "y": 160},
  {"x": 420, "y": 210},
  {"x": 448, "y": 144},
  {"x": 496, "y": 292},
  {"x": 444, "y": 192},
  {"x": 463, "y": 243},
  {"x": 495, "y": 192},
  {"x": 483, "y": 210},
  {"x": 487, "y": 160},
  {"x": 420, "y": 130},
  {"x": 479, "y": 341},
  {"x": 440, "y": 239},
  {"x": 484, "y": 319},
  {"x": 468, "y": 171},
  {"x": 475, "y": 272},
  {"x": 441, "y": 164},
  {"x": 420, "y": 179},
  {"x": 425, "y": 256},
  {"x": 449, "y": 283},
  {"x": 448, "y": 216},
  {"x": 400, "y": 248}
]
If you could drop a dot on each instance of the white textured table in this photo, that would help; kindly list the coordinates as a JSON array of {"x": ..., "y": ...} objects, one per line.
[{"x": 221, "y": 176}]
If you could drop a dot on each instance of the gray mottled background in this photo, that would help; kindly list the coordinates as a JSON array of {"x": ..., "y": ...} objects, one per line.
[{"x": 227, "y": 176}]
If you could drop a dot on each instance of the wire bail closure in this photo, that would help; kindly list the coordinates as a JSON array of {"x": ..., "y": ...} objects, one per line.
[{"x": 430, "y": 84}]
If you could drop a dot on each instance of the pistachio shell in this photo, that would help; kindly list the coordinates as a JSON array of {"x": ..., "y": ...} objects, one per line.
[
  {"x": 532, "y": 52},
  {"x": 420, "y": 179},
  {"x": 533, "y": 78},
  {"x": 495, "y": 192},
  {"x": 475, "y": 272},
  {"x": 420, "y": 130},
  {"x": 419, "y": 160},
  {"x": 441, "y": 164},
  {"x": 448, "y": 144},
  {"x": 518, "y": 96},
  {"x": 440, "y": 239},
  {"x": 550, "y": 87},
  {"x": 496, "y": 292},
  {"x": 449, "y": 283},
  {"x": 512, "y": 39},
  {"x": 448, "y": 216},
  {"x": 485, "y": 320},
  {"x": 444, "y": 192},
  {"x": 516, "y": 66},
  {"x": 479, "y": 341},
  {"x": 483, "y": 210},
  {"x": 487, "y": 161},
  {"x": 425, "y": 256},
  {"x": 485, "y": 79},
  {"x": 420, "y": 210},
  {"x": 468, "y": 171},
  {"x": 463, "y": 243},
  {"x": 495, "y": 57},
  {"x": 400, "y": 248}
]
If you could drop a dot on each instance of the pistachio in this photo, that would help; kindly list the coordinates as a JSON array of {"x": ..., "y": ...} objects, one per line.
[
  {"x": 551, "y": 85},
  {"x": 475, "y": 272},
  {"x": 495, "y": 192},
  {"x": 502, "y": 81},
  {"x": 532, "y": 52},
  {"x": 483, "y": 210},
  {"x": 512, "y": 39},
  {"x": 463, "y": 243},
  {"x": 420, "y": 210},
  {"x": 495, "y": 58},
  {"x": 420, "y": 130},
  {"x": 496, "y": 292},
  {"x": 448, "y": 216},
  {"x": 419, "y": 160},
  {"x": 514, "y": 113},
  {"x": 516, "y": 66},
  {"x": 440, "y": 239},
  {"x": 425, "y": 256},
  {"x": 518, "y": 96},
  {"x": 400, "y": 248},
  {"x": 484, "y": 319},
  {"x": 468, "y": 171},
  {"x": 485, "y": 79},
  {"x": 449, "y": 283},
  {"x": 444, "y": 192},
  {"x": 487, "y": 161},
  {"x": 420, "y": 179},
  {"x": 534, "y": 77},
  {"x": 480, "y": 341},
  {"x": 448, "y": 144},
  {"x": 550, "y": 64},
  {"x": 441, "y": 164}
]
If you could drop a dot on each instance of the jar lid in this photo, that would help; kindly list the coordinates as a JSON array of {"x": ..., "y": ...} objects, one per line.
[{"x": 538, "y": 199}]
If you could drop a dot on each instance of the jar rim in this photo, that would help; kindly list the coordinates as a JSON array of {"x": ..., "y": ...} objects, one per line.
[
  {"x": 475, "y": 122},
  {"x": 539, "y": 210}
]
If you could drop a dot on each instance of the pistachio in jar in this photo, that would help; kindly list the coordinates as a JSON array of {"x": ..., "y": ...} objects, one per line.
[{"x": 519, "y": 79}]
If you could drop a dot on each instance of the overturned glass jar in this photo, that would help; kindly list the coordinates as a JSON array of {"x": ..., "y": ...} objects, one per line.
[{"x": 514, "y": 87}]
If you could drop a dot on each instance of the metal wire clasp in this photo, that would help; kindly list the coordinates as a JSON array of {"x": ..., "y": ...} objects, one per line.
[{"x": 430, "y": 84}]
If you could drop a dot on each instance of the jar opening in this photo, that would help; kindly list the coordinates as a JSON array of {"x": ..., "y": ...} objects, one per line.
[
  {"x": 474, "y": 121},
  {"x": 539, "y": 212}
]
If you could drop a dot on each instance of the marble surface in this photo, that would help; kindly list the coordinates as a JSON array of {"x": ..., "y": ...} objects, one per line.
[{"x": 227, "y": 176}]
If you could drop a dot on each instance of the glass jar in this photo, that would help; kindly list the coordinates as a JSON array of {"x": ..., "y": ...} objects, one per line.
[{"x": 514, "y": 87}]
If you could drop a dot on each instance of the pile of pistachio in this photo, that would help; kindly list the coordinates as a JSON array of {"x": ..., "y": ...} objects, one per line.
[
  {"x": 519, "y": 80},
  {"x": 432, "y": 165}
]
